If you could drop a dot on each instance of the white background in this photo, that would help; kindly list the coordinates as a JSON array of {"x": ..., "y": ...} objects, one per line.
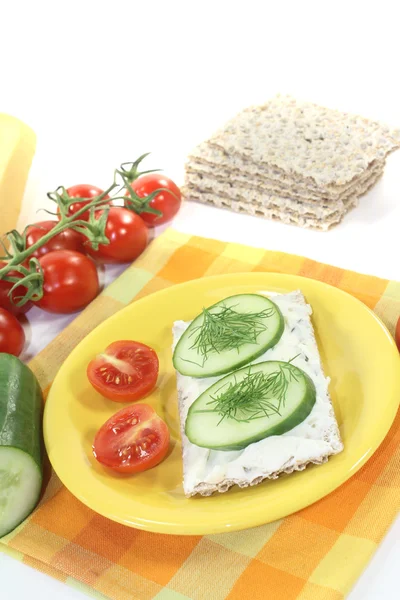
[{"x": 102, "y": 84}]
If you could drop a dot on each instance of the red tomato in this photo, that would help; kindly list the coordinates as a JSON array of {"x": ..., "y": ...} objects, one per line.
[
  {"x": 12, "y": 337},
  {"x": 167, "y": 202},
  {"x": 125, "y": 371},
  {"x": 66, "y": 240},
  {"x": 70, "y": 281},
  {"x": 133, "y": 440},
  {"x": 128, "y": 237},
  {"x": 397, "y": 335},
  {"x": 87, "y": 193},
  {"x": 5, "y": 300}
]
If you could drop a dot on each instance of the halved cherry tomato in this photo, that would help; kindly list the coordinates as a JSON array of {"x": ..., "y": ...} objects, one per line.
[
  {"x": 5, "y": 300},
  {"x": 70, "y": 281},
  {"x": 12, "y": 337},
  {"x": 167, "y": 202},
  {"x": 86, "y": 192},
  {"x": 126, "y": 371},
  {"x": 128, "y": 235},
  {"x": 66, "y": 240},
  {"x": 397, "y": 335},
  {"x": 133, "y": 440}
]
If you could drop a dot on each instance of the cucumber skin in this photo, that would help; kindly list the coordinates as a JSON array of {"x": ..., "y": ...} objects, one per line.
[
  {"x": 300, "y": 414},
  {"x": 245, "y": 361},
  {"x": 20, "y": 408}
]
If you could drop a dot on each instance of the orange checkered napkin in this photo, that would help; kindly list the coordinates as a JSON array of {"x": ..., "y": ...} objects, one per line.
[{"x": 315, "y": 554}]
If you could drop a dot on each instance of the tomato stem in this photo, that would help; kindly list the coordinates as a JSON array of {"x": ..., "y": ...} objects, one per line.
[{"x": 94, "y": 229}]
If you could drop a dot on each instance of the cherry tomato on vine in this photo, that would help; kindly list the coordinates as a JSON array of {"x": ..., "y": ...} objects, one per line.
[
  {"x": 66, "y": 240},
  {"x": 133, "y": 440},
  {"x": 12, "y": 337},
  {"x": 86, "y": 193},
  {"x": 126, "y": 371},
  {"x": 168, "y": 202},
  {"x": 5, "y": 300},
  {"x": 128, "y": 237},
  {"x": 70, "y": 281}
]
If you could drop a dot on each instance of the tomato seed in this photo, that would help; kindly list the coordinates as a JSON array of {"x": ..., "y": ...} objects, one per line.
[{"x": 117, "y": 380}]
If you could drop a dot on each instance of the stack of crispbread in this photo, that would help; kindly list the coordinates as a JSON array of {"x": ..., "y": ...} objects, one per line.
[{"x": 291, "y": 161}]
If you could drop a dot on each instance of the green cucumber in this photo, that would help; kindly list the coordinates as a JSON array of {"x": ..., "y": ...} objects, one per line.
[
  {"x": 20, "y": 442},
  {"x": 248, "y": 405},
  {"x": 228, "y": 335}
]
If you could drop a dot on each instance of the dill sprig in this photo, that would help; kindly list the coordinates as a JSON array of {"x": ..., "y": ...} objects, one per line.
[
  {"x": 256, "y": 396},
  {"x": 226, "y": 329}
]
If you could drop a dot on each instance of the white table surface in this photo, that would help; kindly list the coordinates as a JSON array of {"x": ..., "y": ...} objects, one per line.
[{"x": 102, "y": 85}]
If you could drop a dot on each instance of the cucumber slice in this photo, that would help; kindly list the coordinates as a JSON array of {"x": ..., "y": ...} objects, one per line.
[
  {"x": 253, "y": 403},
  {"x": 228, "y": 335},
  {"x": 20, "y": 442}
]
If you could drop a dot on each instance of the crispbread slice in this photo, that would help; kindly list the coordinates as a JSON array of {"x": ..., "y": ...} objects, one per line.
[
  {"x": 273, "y": 213},
  {"x": 211, "y": 159},
  {"x": 251, "y": 192},
  {"x": 320, "y": 145},
  {"x": 313, "y": 441},
  {"x": 195, "y": 170},
  {"x": 309, "y": 217},
  {"x": 272, "y": 202}
]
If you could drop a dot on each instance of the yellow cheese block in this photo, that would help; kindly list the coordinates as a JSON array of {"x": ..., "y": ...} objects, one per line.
[{"x": 17, "y": 147}]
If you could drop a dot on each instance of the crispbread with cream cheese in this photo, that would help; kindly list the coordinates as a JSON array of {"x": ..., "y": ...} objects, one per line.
[{"x": 313, "y": 441}]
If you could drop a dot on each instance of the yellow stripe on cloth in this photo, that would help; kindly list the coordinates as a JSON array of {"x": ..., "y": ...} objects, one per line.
[{"x": 315, "y": 554}]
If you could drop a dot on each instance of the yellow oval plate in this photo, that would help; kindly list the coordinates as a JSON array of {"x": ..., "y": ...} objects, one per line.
[{"x": 358, "y": 354}]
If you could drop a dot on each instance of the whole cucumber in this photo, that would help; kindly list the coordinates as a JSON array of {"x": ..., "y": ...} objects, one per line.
[{"x": 20, "y": 442}]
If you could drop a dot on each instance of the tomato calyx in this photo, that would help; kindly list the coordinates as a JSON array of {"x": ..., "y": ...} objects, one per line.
[
  {"x": 64, "y": 202},
  {"x": 162, "y": 194},
  {"x": 31, "y": 280},
  {"x": 141, "y": 205},
  {"x": 95, "y": 228},
  {"x": 129, "y": 171}
]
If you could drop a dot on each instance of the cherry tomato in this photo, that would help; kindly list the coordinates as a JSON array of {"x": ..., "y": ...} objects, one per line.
[
  {"x": 5, "y": 300},
  {"x": 66, "y": 240},
  {"x": 133, "y": 440},
  {"x": 126, "y": 371},
  {"x": 12, "y": 337},
  {"x": 167, "y": 202},
  {"x": 70, "y": 281},
  {"x": 397, "y": 334},
  {"x": 86, "y": 192},
  {"x": 128, "y": 237}
]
